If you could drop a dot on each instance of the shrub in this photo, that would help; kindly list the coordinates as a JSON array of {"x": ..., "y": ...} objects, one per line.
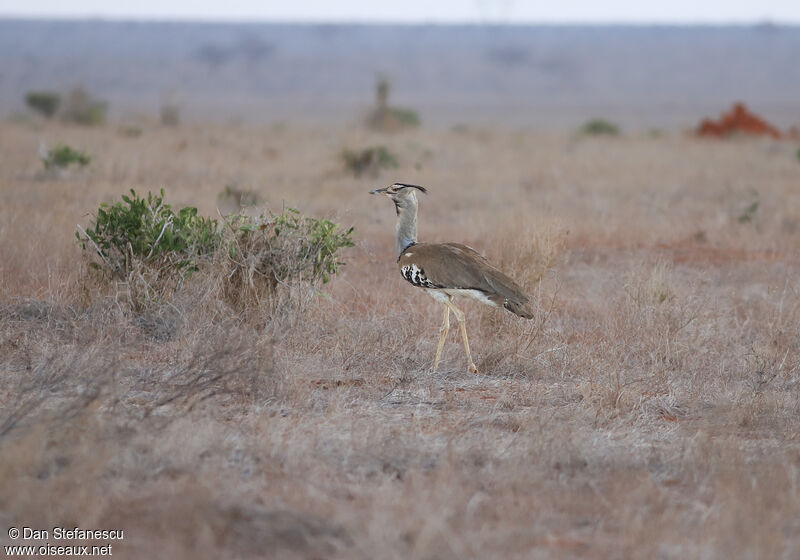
[
  {"x": 130, "y": 131},
  {"x": 144, "y": 243},
  {"x": 600, "y": 127},
  {"x": 62, "y": 156},
  {"x": 237, "y": 198},
  {"x": 798, "y": 154},
  {"x": 369, "y": 160},
  {"x": 44, "y": 102},
  {"x": 81, "y": 108},
  {"x": 170, "y": 114},
  {"x": 385, "y": 117},
  {"x": 405, "y": 117},
  {"x": 280, "y": 249},
  {"x": 141, "y": 230}
]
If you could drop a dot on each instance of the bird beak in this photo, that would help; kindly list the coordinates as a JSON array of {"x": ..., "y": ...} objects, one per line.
[{"x": 378, "y": 191}]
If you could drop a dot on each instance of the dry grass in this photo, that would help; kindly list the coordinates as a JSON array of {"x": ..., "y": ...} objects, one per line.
[{"x": 649, "y": 410}]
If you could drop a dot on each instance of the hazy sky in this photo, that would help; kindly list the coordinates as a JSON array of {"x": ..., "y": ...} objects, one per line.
[{"x": 510, "y": 11}]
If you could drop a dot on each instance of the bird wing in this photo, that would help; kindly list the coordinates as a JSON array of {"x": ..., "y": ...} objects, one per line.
[{"x": 453, "y": 265}]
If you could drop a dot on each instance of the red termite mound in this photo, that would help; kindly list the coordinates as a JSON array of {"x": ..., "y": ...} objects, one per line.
[{"x": 739, "y": 119}]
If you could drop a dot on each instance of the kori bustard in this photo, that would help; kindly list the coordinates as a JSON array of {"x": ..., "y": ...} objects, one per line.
[{"x": 446, "y": 270}]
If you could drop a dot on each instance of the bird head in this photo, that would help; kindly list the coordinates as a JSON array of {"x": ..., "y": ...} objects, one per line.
[{"x": 401, "y": 194}]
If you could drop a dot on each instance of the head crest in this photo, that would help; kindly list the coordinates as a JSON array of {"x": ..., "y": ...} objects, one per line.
[{"x": 423, "y": 189}]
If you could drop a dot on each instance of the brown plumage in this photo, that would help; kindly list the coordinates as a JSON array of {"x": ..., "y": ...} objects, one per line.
[
  {"x": 457, "y": 267},
  {"x": 446, "y": 270}
]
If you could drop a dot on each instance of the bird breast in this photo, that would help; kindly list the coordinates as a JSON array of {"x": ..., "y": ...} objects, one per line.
[{"x": 416, "y": 276}]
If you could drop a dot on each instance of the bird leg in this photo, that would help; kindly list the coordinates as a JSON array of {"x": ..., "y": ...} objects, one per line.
[
  {"x": 442, "y": 336},
  {"x": 463, "y": 328}
]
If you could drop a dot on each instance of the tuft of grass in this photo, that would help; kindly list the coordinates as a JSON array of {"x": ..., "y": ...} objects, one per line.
[
  {"x": 81, "y": 108},
  {"x": 369, "y": 161},
  {"x": 130, "y": 131},
  {"x": 527, "y": 253},
  {"x": 62, "y": 156},
  {"x": 238, "y": 198},
  {"x": 749, "y": 213},
  {"x": 600, "y": 127},
  {"x": 650, "y": 286}
]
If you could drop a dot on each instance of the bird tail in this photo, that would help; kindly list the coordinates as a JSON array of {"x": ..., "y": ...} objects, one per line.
[{"x": 519, "y": 308}]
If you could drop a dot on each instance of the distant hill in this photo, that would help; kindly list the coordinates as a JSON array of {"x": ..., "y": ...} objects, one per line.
[{"x": 518, "y": 75}]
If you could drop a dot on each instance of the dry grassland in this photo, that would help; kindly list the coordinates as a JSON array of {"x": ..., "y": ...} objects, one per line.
[{"x": 651, "y": 409}]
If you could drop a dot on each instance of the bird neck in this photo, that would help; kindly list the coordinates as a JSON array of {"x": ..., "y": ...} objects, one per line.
[{"x": 406, "y": 223}]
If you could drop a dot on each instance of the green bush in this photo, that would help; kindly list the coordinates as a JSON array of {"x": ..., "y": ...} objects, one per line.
[
  {"x": 369, "y": 160},
  {"x": 600, "y": 127},
  {"x": 798, "y": 154},
  {"x": 273, "y": 250},
  {"x": 44, "y": 102},
  {"x": 62, "y": 156},
  {"x": 405, "y": 117},
  {"x": 139, "y": 231},
  {"x": 143, "y": 242}
]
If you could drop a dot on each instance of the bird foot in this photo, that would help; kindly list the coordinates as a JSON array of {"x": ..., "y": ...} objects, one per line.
[{"x": 472, "y": 368}]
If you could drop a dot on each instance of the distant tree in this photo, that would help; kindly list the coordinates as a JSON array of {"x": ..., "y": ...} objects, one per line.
[
  {"x": 82, "y": 108},
  {"x": 600, "y": 127},
  {"x": 254, "y": 49},
  {"x": 382, "y": 94},
  {"x": 509, "y": 55},
  {"x": 171, "y": 110},
  {"x": 213, "y": 55},
  {"x": 385, "y": 117},
  {"x": 44, "y": 102}
]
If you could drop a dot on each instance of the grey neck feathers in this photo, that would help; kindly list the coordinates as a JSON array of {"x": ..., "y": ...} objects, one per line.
[{"x": 406, "y": 222}]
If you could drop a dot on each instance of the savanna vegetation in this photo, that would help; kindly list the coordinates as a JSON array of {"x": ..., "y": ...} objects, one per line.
[{"x": 258, "y": 384}]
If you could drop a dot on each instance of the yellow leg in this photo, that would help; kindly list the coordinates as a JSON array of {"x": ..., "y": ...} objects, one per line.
[
  {"x": 463, "y": 328},
  {"x": 442, "y": 336}
]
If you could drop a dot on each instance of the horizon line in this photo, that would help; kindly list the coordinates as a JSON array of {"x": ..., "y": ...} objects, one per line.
[{"x": 255, "y": 20}]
